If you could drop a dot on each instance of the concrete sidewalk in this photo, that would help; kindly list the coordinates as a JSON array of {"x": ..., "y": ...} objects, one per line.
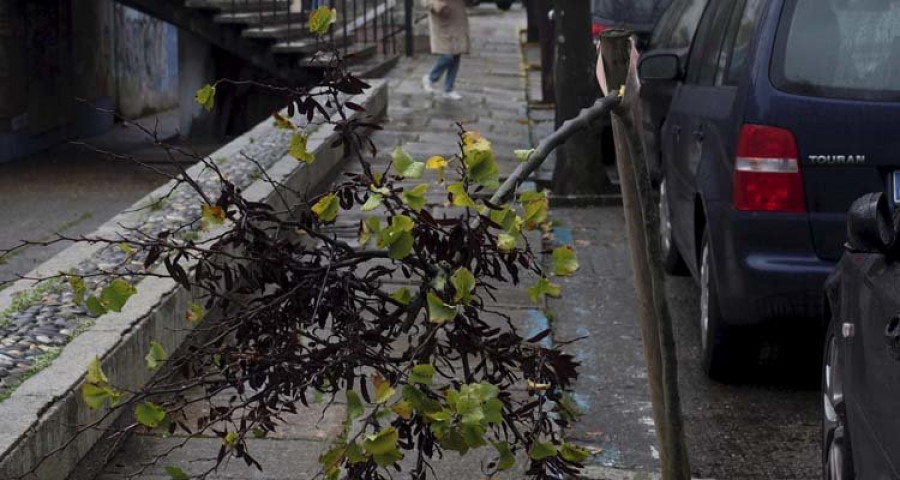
[{"x": 598, "y": 302}]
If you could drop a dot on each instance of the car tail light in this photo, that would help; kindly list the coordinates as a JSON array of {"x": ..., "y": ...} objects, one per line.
[
  {"x": 767, "y": 176},
  {"x": 597, "y": 29}
]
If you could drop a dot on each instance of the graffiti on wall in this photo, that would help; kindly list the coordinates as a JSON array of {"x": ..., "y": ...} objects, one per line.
[{"x": 146, "y": 63}]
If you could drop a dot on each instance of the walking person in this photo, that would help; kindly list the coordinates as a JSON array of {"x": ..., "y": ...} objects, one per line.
[{"x": 448, "y": 23}]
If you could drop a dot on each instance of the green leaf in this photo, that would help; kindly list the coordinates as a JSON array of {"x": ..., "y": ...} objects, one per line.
[
  {"x": 493, "y": 411},
  {"x": 397, "y": 237},
  {"x": 460, "y": 197},
  {"x": 176, "y": 473},
  {"x": 464, "y": 283},
  {"x": 506, "y": 242},
  {"x": 195, "y": 313},
  {"x": 327, "y": 208},
  {"x": 542, "y": 450},
  {"x": 94, "y": 306},
  {"x": 505, "y": 217},
  {"x": 543, "y": 288},
  {"x": 474, "y": 435},
  {"x": 366, "y": 228},
  {"x": 383, "y": 447},
  {"x": 355, "y": 408},
  {"x": 420, "y": 402},
  {"x": 573, "y": 453},
  {"x": 298, "y": 148},
  {"x": 94, "y": 395},
  {"x": 405, "y": 166},
  {"x": 438, "y": 311},
  {"x": 383, "y": 389},
  {"x": 481, "y": 164},
  {"x": 230, "y": 440},
  {"x": 507, "y": 460},
  {"x": 422, "y": 374},
  {"x": 125, "y": 247},
  {"x": 536, "y": 206},
  {"x": 156, "y": 356},
  {"x": 78, "y": 288},
  {"x": 524, "y": 155},
  {"x": 95, "y": 373},
  {"x": 403, "y": 409},
  {"x": 206, "y": 97},
  {"x": 374, "y": 201},
  {"x": 403, "y": 296},
  {"x": 321, "y": 19},
  {"x": 565, "y": 262},
  {"x": 415, "y": 197},
  {"x": 149, "y": 414},
  {"x": 116, "y": 294},
  {"x": 211, "y": 215}
]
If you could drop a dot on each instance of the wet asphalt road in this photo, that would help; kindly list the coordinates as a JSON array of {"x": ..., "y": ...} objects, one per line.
[{"x": 765, "y": 425}]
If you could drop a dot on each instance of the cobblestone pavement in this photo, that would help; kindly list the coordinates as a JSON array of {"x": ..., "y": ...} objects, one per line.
[{"x": 43, "y": 319}]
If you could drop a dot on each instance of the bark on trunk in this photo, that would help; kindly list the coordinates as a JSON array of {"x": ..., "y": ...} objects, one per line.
[
  {"x": 579, "y": 167},
  {"x": 642, "y": 220}
]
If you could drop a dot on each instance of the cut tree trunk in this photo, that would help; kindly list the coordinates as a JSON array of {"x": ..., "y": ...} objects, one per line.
[{"x": 642, "y": 221}]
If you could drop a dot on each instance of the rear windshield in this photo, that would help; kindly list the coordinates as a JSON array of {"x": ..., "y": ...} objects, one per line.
[
  {"x": 636, "y": 14},
  {"x": 840, "y": 49}
]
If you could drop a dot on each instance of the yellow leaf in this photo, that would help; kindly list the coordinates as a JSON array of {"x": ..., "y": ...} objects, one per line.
[
  {"x": 298, "y": 148},
  {"x": 206, "y": 97},
  {"x": 283, "y": 123},
  {"x": 321, "y": 19},
  {"x": 327, "y": 208},
  {"x": 460, "y": 197},
  {"x": 383, "y": 389},
  {"x": 211, "y": 215}
]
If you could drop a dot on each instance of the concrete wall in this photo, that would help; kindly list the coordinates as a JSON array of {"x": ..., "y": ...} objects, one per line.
[{"x": 54, "y": 52}]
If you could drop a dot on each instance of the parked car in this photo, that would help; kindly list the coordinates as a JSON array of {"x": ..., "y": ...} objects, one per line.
[
  {"x": 782, "y": 113},
  {"x": 639, "y": 16},
  {"x": 861, "y": 367}
]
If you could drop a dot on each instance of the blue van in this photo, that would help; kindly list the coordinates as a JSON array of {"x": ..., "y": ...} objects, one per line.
[{"x": 781, "y": 114}]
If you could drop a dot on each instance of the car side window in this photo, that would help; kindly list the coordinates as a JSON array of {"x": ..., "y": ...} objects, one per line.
[
  {"x": 678, "y": 24},
  {"x": 735, "y": 58},
  {"x": 663, "y": 29},
  {"x": 704, "y": 58}
]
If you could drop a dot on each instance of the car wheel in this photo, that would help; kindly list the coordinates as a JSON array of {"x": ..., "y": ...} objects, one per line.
[
  {"x": 673, "y": 262},
  {"x": 504, "y": 4},
  {"x": 837, "y": 460},
  {"x": 721, "y": 350}
]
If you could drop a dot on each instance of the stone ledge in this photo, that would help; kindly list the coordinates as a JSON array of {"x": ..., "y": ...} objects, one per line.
[{"x": 46, "y": 412}]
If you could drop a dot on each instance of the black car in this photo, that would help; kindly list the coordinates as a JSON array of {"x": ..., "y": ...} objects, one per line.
[
  {"x": 861, "y": 369},
  {"x": 783, "y": 112}
]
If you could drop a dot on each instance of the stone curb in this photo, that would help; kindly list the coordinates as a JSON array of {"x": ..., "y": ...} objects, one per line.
[{"x": 44, "y": 415}]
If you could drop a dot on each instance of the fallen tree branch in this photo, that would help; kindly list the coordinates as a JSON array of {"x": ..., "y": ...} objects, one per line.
[{"x": 548, "y": 144}]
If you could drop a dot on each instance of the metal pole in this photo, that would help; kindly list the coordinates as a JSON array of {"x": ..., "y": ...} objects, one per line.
[{"x": 408, "y": 26}]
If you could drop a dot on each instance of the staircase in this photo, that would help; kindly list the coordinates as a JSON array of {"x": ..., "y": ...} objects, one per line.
[{"x": 273, "y": 34}]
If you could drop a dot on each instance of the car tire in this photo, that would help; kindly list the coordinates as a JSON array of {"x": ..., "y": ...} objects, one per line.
[
  {"x": 837, "y": 457},
  {"x": 504, "y": 4},
  {"x": 673, "y": 262},
  {"x": 721, "y": 351}
]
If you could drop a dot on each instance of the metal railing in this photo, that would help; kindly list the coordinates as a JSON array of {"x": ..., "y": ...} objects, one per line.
[{"x": 362, "y": 26}]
